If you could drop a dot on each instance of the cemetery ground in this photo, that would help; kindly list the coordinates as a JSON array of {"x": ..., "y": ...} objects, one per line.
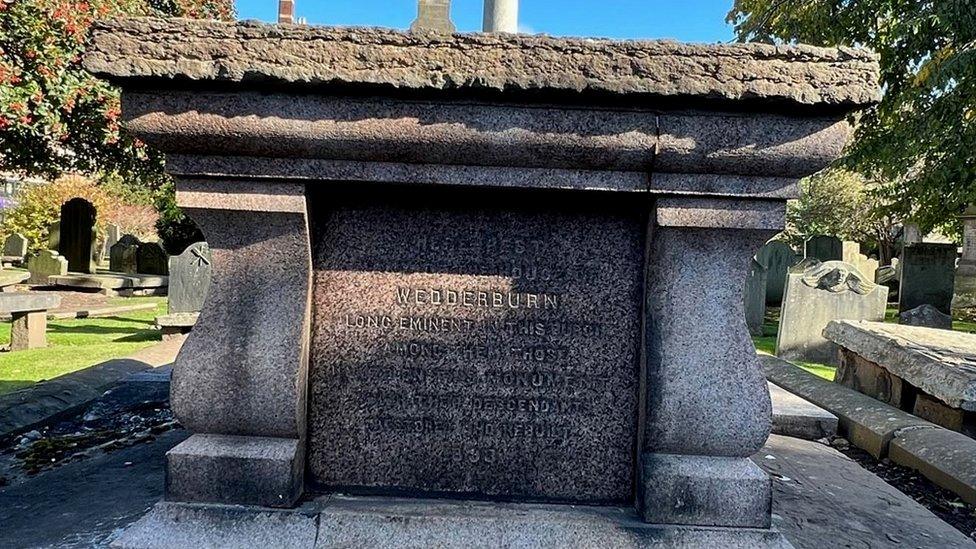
[{"x": 78, "y": 343}]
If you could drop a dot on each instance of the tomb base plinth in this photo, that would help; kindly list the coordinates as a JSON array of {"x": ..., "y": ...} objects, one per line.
[
  {"x": 236, "y": 469},
  {"x": 341, "y": 521}
]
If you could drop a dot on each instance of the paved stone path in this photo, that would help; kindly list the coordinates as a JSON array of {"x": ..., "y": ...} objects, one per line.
[{"x": 823, "y": 499}]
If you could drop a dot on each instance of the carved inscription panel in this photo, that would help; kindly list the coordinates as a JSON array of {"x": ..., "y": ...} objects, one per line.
[{"x": 482, "y": 351}]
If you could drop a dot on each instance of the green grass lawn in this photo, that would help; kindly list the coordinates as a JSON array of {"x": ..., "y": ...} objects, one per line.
[{"x": 77, "y": 344}]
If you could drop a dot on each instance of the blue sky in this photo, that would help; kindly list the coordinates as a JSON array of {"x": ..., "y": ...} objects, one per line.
[{"x": 685, "y": 20}]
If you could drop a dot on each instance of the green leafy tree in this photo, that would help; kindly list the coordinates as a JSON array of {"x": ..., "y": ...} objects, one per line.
[
  {"x": 921, "y": 139},
  {"x": 54, "y": 116},
  {"x": 841, "y": 203}
]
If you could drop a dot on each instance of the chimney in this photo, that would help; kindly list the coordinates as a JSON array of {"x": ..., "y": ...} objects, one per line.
[{"x": 286, "y": 11}]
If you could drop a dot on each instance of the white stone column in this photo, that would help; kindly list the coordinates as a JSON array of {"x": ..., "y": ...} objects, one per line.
[{"x": 501, "y": 16}]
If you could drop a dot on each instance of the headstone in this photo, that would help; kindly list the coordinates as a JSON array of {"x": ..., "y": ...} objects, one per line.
[
  {"x": 15, "y": 247},
  {"x": 433, "y": 16},
  {"x": 76, "y": 242},
  {"x": 122, "y": 255},
  {"x": 911, "y": 234},
  {"x": 888, "y": 276},
  {"x": 965, "y": 285},
  {"x": 755, "y": 298},
  {"x": 112, "y": 235},
  {"x": 851, "y": 252},
  {"x": 817, "y": 294},
  {"x": 927, "y": 316},
  {"x": 823, "y": 248},
  {"x": 777, "y": 257},
  {"x": 44, "y": 264},
  {"x": 189, "y": 279},
  {"x": 151, "y": 259},
  {"x": 54, "y": 235},
  {"x": 927, "y": 276}
]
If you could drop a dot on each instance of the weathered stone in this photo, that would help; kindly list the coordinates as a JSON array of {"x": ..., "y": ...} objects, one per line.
[
  {"x": 940, "y": 362},
  {"x": 706, "y": 491},
  {"x": 816, "y": 295},
  {"x": 823, "y": 248},
  {"x": 15, "y": 247},
  {"x": 176, "y": 324},
  {"x": 157, "y": 49},
  {"x": 468, "y": 320},
  {"x": 927, "y": 316},
  {"x": 778, "y": 258},
  {"x": 45, "y": 264},
  {"x": 206, "y": 468},
  {"x": 867, "y": 423},
  {"x": 112, "y": 235},
  {"x": 433, "y": 16},
  {"x": 152, "y": 259},
  {"x": 927, "y": 276},
  {"x": 123, "y": 255},
  {"x": 797, "y": 417},
  {"x": 54, "y": 235},
  {"x": 944, "y": 457},
  {"x": 189, "y": 279},
  {"x": 29, "y": 312},
  {"x": 755, "y": 298},
  {"x": 851, "y": 253},
  {"x": 478, "y": 332},
  {"x": 258, "y": 234},
  {"x": 866, "y": 377},
  {"x": 76, "y": 241},
  {"x": 937, "y": 412},
  {"x": 389, "y": 523}
]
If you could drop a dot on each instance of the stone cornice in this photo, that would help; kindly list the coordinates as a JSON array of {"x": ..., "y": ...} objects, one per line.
[{"x": 250, "y": 54}]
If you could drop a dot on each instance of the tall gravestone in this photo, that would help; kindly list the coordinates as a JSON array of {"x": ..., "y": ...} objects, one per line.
[
  {"x": 15, "y": 247},
  {"x": 755, "y": 298},
  {"x": 927, "y": 276},
  {"x": 433, "y": 16},
  {"x": 965, "y": 283},
  {"x": 189, "y": 279},
  {"x": 54, "y": 235},
  {"x": 123, "y": 255},
  {"x": 76, "y": 242},
  {"x": 777, "y": 257},
  {"x": 112, "y": 235},
  {"x": 823, "y": 248},
  {"x": 411, "y": 311},
  {"x": 817, "y": 293},
  {"x": 151, "y": 259}
]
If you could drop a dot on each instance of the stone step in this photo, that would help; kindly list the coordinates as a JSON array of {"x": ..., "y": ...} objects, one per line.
[{"x": 796, "y": 417}]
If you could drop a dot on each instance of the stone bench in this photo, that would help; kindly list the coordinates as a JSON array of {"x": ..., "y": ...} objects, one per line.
[
  {"x": 29, "y": 314},
  {"x": 930, "y": 373}
]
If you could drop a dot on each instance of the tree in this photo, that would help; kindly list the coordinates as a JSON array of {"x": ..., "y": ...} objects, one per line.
[
  {"x": 841, "y": 203},
  {"x": 55, "y": 117},
  {"x": 920, "y": 140}
]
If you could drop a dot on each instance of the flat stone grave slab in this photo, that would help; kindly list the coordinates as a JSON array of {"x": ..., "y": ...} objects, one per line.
[
  {"x": 108, "y": 280},
  {"x": 476, "y": 349}
]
